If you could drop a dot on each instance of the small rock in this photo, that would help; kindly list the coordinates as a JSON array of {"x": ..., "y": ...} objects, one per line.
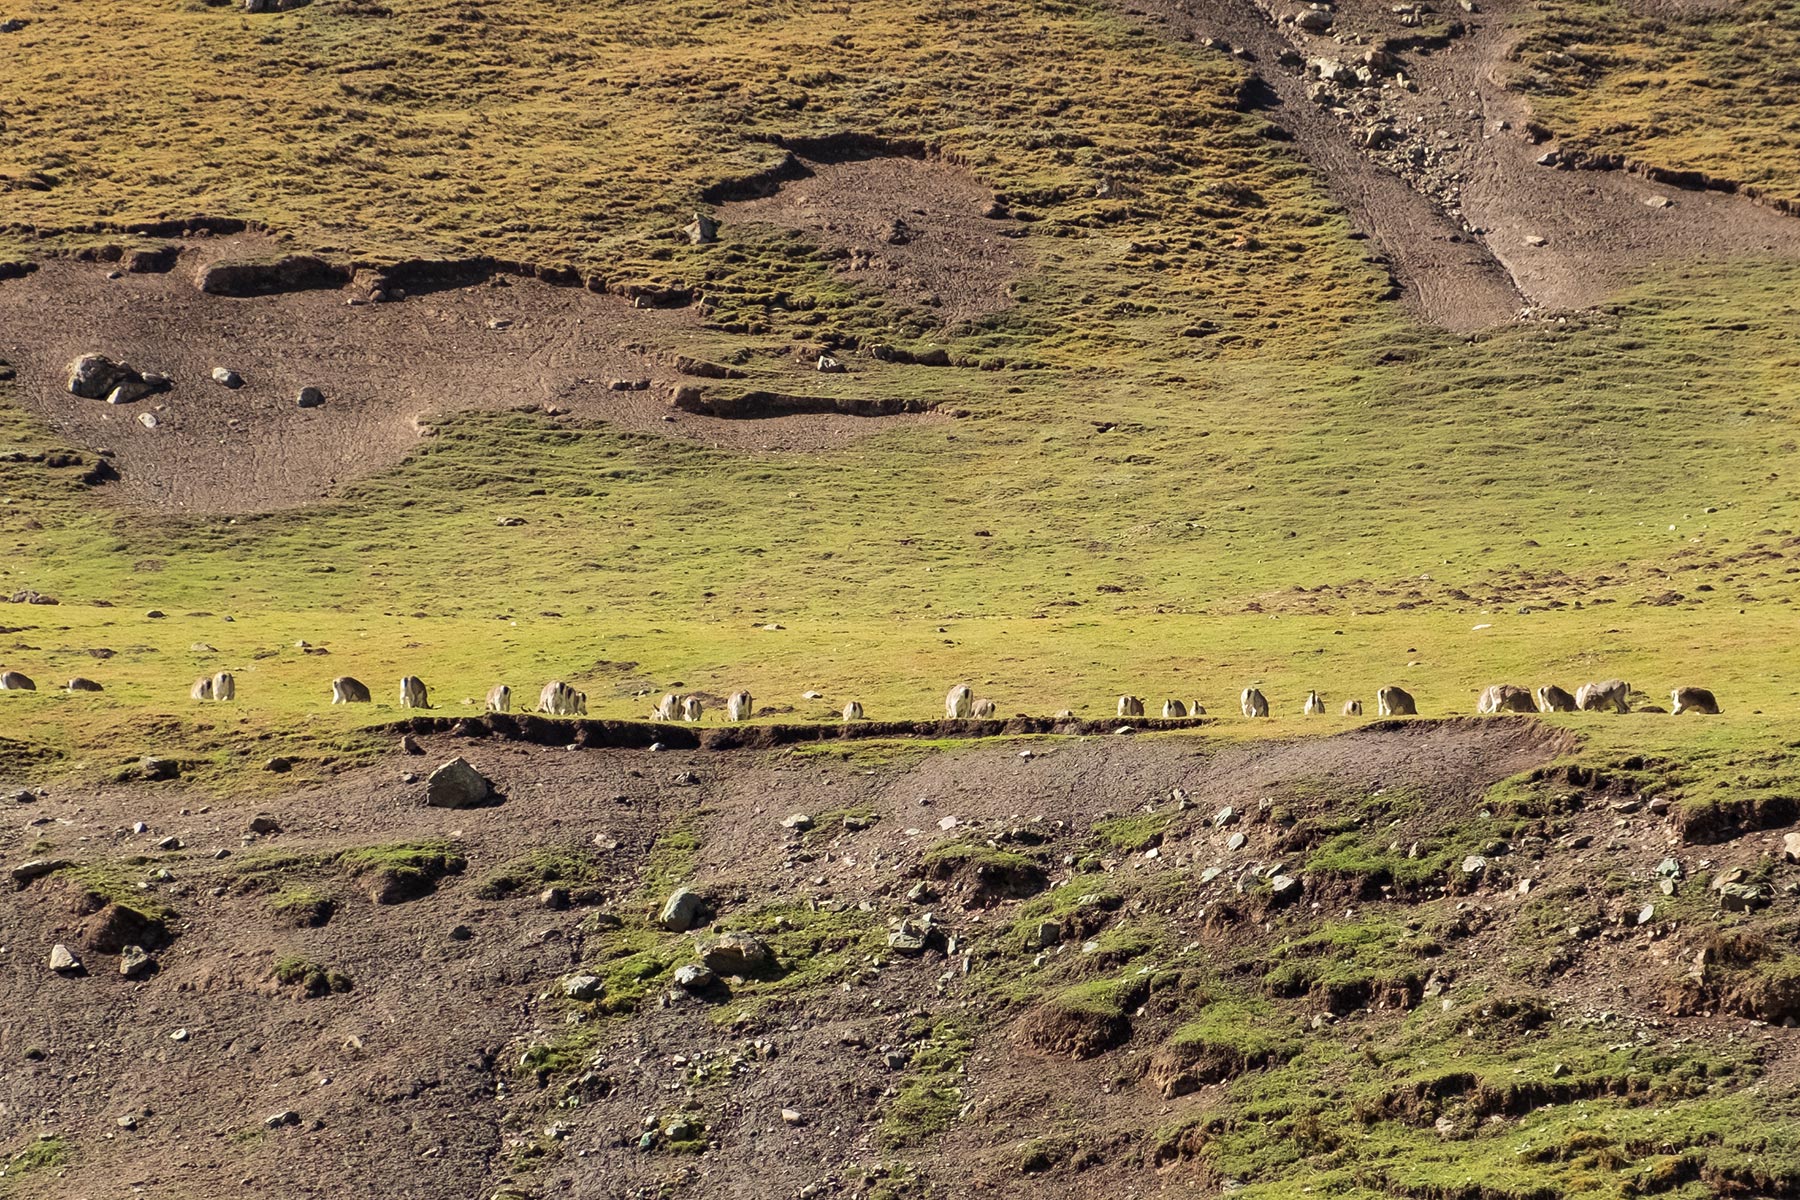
[
  {"x": 1225, "y": 816},
  {"x": 828, "y": 365},
  {"x": 310, "y": 397},
  {"x": 36, "y": 868},
  {"x": 277, "y": 1120},
  {"x": 695, "y": 977},
  {"x": 682, "y": 911},
  {"x": 227, "y": 377},
  {"x": 63, "y": 960},
  {"x": 1237, "y": 841},
  {"x": 160, "y": 769},
  {"x": 555, "y": 898},
  {"x": 583, "y": 987},
  {"x": 702, "y": 230},
  {"x": 278, "y": 766},
  {"x": 264, "y": 824},
  {"x": 1046, "y": 935},
  {"x": 798, "y": 822},
  {"x": 148, "y": 420},
  {"x": 135, "y": 962},
  {"x": 1474, "y": 864},
  {"x": 126, "y": 1122},
  {"x": 1790, "y": 848},
  {"x": 456, "y": 784},
  {"x": 737, "y": 954},
  {"x": 791, "y": 1116},
  {"x": 171, "y": 842},
  {"x": 180, "y": 1035},
  {"x": 410, "y": 744},
  {"x": 1646, "y": 914}
]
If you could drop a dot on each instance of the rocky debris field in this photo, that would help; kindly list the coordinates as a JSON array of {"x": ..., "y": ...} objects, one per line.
[{"x": 877, "y": 969}]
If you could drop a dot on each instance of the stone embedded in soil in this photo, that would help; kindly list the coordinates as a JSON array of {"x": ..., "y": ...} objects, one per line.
[
  {"x": 737, "y": 954},
  {"x": 135, "y": 962},
  {"x": 310, "y": 397},
  {"x": 63, "y": 960},
  {"x": 1790, "y": 847},
  {"x": 456, "y": 784},
  {"x": 799, "y": 822},
  {"x": 227, "y": 377},
  {"x": 695, "y": 977},
  {"x": 157, "y": 769},
  {"x": 25, "y": 872},
  {"x": 682, "y": 911},
  {"x": 583, "y": 987}
]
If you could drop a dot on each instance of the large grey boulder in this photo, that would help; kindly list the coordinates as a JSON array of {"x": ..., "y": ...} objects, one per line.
[
  {"x": 682, "y": 911},
  {"x": 458, "y": 785}
]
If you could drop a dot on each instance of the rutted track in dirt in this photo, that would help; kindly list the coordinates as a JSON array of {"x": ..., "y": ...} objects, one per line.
[{"x": 1473, "y": 226}]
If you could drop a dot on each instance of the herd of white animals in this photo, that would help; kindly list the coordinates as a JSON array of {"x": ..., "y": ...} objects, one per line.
[{"x": 559, "y": 699}]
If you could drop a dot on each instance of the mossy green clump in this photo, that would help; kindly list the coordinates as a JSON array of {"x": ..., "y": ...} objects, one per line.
[
  {"x": 570, "y": 866},
  {"x": 1346, "y": 965},
  {"x": 670, "y": 862},
  {"x": 1129, "y": 835},
  {"x": 931, "y": 1092},
  {"x": 403, "y": 870},
  {"x": 310, "y": 977},
  {"x": 119, "y": 882},
  {"x": 39, "y": 1155},
  {"x": 303, "y": 905}
]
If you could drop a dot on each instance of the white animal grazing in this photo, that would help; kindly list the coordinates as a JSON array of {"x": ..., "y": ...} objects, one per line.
[
  {"x": 1598, "y": 697},
  {"x": 202, "y": 689},
  {"x": 668, "y": 708},
  {"x": 345, "y": 690},
  {"x": 1551, "y": 698},
  {"x": 960, "y": 702},
  {"x": 581, "y": 704},
  {"x": 1196, "y": 709},
  {"x": 14, "y": 681},
  {"x": 1253, "y": 703},
  {"x": 1130, "y": 706},
  {"x": 1693, "y": 699},
  {"x": 853, "y": 711},
  {"x": 83, "y": 684},
  {"x": 1353, "y": 708},
  {"x": 1314, "y": 706},
  {"x": 1173, "y": 709},
  {"x": 739, "y": 707},
  {"x": 557, "y": 698},
  {"x": 1395, "y": 702},
  {"x": 1505, "y": 698},
  {"x": 1063, "y": 714},
  {"x": 224, "y": 686},
  {"x": 985, "y": 709},
  {"x": 412, "y": 693},
  {"x": 691, "y": 708},
  {"x": 499, "y": 698}
]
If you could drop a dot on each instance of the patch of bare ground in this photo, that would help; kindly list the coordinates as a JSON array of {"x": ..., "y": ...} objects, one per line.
[
  {"x": 384, "y": 369},
  {"x": 406, "y": 1079},
  {"x": 912, "y": 227},
  {"x": 1444, "y": 174}
]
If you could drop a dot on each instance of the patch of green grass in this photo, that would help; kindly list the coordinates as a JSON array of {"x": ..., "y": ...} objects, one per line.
[
  {"x": 1128, "y": 835},
  {"x": 39, "y": 1155},
  {"x": 931, "y": 1092},
  {"x": 118, "y": 882},
  {"x": 670, "y": 862},
  {"x": 420, "y": 863},
  {"x": 311, "y": 978},
  {"x": 571, "y": 866},
  {"x": 302, "y": 905},
  {"x": 1348, "y": 964},
  {"x": 1709, "y": 89}
]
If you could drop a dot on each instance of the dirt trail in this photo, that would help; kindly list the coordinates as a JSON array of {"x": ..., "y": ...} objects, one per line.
[
  {"x": 1445, "y": 179},
  {"x": 502, "y": 344}
]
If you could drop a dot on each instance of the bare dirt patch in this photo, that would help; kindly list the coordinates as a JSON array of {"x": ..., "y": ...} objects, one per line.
[
  {"x": 382, "y": 368},
  {"x": 910, "y": 227}
]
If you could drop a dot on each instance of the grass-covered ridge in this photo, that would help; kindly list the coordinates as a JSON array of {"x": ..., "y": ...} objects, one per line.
[{"x": 1708, "y": 89}]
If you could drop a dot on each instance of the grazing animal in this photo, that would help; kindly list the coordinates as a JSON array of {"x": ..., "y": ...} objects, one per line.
[
  {"x": 202, "y": 689},
  {"x": 1504, "y": 698},
  {"x": 560, "y": 700},
  {"x": 224, "y": 686},
  {"x": 1173, "y": 709},
  {"x": 1130, "y": 706},
  {"x": 1063, "y": 714},
  {"x": 81, "y": 684},
  {"x": 1395, "y": 702},
  {"x": 499, "y": 698},
  {"x": 13, "y": 681},
  {"x": 1551, "y": 698},
  {"x": 1353, "y": 708},
  {"x": 1314, "y": 706},
  {"x": 1254, "y": 703},
  {"x": 345, "y": 690},
  {"x": 1598, "y": 697},
  {"x": 412, "y": 693},
  {"x": 1693, "y": 699},
  {"x": 739, "y": 707},
  {"x": 668, "y": 708},
  {"x": 853, "y": 711},
  {"x": 960, "y": 702},
  {"x": 1196, "y": 709},
  {"x": 691, "y": 708},
  {"x": 984, "y": 709}
]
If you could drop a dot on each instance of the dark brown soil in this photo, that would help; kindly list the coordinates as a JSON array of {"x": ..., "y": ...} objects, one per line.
[
  {"x": 406, "y": 1084},
  {"x": 907, "y": 226},
  {"x": 384, "y": 369}
]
